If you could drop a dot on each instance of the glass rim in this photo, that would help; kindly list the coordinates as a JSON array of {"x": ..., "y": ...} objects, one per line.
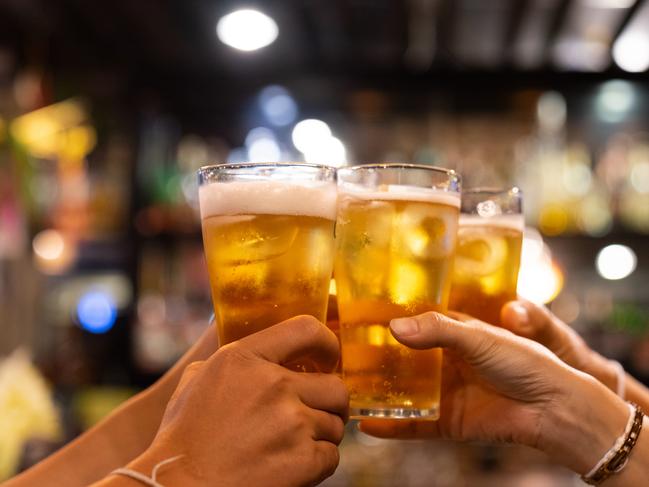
[
  {"x": 399, "y": 165},
  {"x": 249, "y": 165},
  {"x": 493, "y": 190}
]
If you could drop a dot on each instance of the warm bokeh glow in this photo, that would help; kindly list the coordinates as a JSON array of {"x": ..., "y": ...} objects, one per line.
[{"x": 540, "y": 280}]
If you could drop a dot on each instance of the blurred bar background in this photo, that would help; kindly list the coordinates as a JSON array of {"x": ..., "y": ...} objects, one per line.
[{"x": 108, "y": 108}]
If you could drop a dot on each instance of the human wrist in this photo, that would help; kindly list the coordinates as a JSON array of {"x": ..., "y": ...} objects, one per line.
[
  {"x": 583, "y": 425},
  {"x": 604, "y": 370},
  {"x": 175, "y": 468}
]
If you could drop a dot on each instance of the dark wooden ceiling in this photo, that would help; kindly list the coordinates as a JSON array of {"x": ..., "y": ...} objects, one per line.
[{"x": 169, "y": 47}]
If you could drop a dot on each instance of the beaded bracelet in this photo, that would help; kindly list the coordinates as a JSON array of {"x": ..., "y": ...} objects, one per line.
[{"x": 617, "y": 457}]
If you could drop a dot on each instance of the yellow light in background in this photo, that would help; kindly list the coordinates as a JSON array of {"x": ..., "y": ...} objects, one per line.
[
  {"x": 2, "y": 129},
  {"x": 539, "y": 280},
  {"x": 79, "y": 142},
  {"x": 55, "y": 130},
  {"x": 553, "y": 220},
  {"x": 52, "y": 251},
  {"x": 49, "y": 245}
]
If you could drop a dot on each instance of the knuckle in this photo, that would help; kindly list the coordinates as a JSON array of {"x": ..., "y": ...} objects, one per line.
[
  {"x": 278, "y": 380},
  {"x": 294, "y": 415},
  {"x": 230, "y": 355},
  {"x": 311, "y": 326},
  {"x": 326, "y": 458},
  {"x": 194, "y": 367}
]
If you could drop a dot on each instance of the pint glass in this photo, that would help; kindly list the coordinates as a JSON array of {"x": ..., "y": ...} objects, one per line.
[
  {"x": 488, "y": 252},
  {"x": 268, "y": 233},
  {"x": 395, "y": 238}
]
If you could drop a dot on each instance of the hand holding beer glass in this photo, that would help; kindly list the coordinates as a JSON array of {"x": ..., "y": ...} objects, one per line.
[
  {"x": 268, "y": 233},
  {"x": 395, "y": 237},
  {"x": 488, "y": 252}
]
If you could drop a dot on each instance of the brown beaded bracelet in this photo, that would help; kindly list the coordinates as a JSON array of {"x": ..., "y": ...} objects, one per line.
[{"x": 620, "y": 457}]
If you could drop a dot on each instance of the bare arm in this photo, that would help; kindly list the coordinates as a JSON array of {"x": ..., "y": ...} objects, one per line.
[{"x": 120, "y": 437}]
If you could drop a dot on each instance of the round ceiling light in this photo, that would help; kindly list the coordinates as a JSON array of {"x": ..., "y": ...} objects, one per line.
[{"x": 247, "y": 30}]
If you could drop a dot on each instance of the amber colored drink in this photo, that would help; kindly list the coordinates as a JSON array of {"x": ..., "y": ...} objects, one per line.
[
  {"x": 269, "y": 247},
  {"x": 486, "y": 266},
  {"x": 393, "y": 259}
]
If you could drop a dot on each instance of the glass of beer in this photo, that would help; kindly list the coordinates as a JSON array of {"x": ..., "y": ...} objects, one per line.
[
  {"x": 488, "y": 253},
  {"x": 268, "y": 233},
  {"x": 395, "y": 238}
]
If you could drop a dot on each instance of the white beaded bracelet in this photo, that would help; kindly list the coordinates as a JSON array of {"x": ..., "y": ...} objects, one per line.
[{"x": 150, "y": 481}]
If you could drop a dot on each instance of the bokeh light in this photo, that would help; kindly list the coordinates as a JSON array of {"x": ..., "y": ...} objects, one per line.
[
  {"x": 262, "y": 145},
  {"x": 614, "y": 100},
  {"x": 96, "y": 312},
  {"x": 615, "y": 262},
  {"x": 247, "y": 30},
  {"x": 314, "y": 139},
  {"x": 53, "y": 252},
  {"x": 640, "y": 177},
  {"x": 49, "y": 245},
  {"x": 331, "y": 152},
  {"x": 551, "y": 111},
  {"x": 539, "y": 280},
  {"x": 309, "y": 134},
  {"x": 277, "y": 105}
]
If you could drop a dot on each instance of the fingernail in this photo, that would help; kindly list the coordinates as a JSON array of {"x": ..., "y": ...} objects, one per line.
[
  {"x": 521, "y": 314},
  {"x": 404, "y": 326}
]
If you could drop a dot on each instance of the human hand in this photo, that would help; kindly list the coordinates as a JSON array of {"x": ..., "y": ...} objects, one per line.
[
  {"x": 498, "y": 387},
  {"x": 537, "y": 323},
  {"x": 240, "y": 418}
]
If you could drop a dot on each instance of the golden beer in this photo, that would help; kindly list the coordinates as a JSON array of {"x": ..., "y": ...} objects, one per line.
[
  {"x": 269, "y": 247},
  {"x": 486, "y": 265},
  {"x": 393, "y": 259}
]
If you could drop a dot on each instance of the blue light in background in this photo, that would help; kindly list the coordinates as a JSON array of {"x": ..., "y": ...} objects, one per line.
[
  {"x": 96, "y": 311},
  {"x": 277, "y": 105}
]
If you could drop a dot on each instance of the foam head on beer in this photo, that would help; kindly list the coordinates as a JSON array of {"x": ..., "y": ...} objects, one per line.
[{"x": 269, "y": 242}]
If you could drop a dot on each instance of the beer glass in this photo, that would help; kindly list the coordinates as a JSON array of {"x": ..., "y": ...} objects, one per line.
[
  {"x": 395, "y": 238},
  {"x": 488, "y": 252},
  {"x": 268, "y": 233}
]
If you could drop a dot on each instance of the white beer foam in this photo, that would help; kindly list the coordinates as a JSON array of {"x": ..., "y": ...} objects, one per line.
[
  {"x": 512, "y": 222},
  {"x": 312, "y": 198},
  {"x": 401, "y": 192}
]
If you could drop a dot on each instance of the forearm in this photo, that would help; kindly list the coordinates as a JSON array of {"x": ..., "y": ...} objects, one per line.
[
  {"x": 122, "y": 436},
  {"x": 119, "y": 438},
  {"x": 585, "y": 426}
]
